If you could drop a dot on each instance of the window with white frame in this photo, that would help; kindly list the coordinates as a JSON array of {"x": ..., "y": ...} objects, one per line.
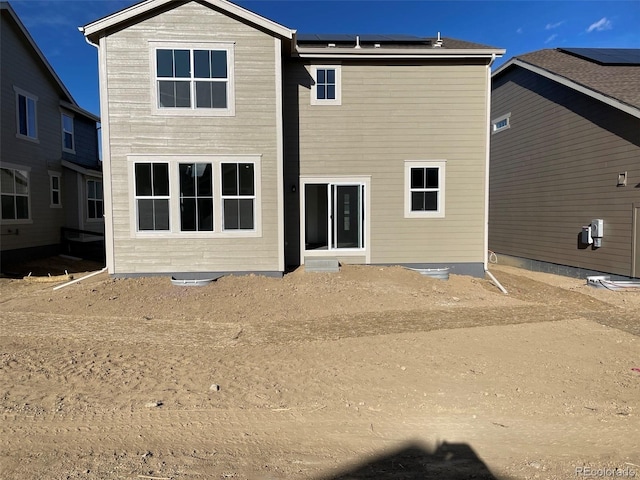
[
  {"x": 95, "y": 199},
  {"x": 152, "y": 196},
  {"x": 196, "y": 197},
  {"x": 14, "y": 194},
  {"x": 26, "y": 114},
  {"x": 238, "y": 196},
  {"x": 326, "y": 88},
  {"x": 424, "y": 189},
  {"x": 198, "y": 79},
  {"x": 68, "y": 141},
  {"x": 501, "y": 123},
  {"x": 54, "y": 183}
]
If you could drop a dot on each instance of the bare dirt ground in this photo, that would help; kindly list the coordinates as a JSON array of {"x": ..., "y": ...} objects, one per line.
[{"x": 369, "y": 373}]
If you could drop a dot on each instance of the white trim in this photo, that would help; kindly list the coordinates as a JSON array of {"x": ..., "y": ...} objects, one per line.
[
  {"x": 82, "y": 170},
  {"x": 340, "y": 52},
  {"x": 105, "y": 131},
  {"x": 441, "y": 166},
  {"x": 173, "y": 161},
  {"x": 91, "y": 29},
  {"x": 279, "y": 152},
  {"x": 338, "y": 84},
  {"x": 73, "y": 132},
  {"x": 192, "y": 111},
  {"x": 339, "y": 252},
  {"x": 571, "y": 84},
  {"x": 57, "y": 175},
  {"x": 19, "y": 92},
  {"x": 494, "y": 123},
  {"x": 485, "y": 223}
]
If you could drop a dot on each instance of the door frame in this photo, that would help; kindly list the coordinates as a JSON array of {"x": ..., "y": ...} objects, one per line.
[{"x": 366, "y": 233}]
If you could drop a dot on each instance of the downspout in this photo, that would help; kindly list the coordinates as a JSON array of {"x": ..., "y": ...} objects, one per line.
[{"x": 486, "y": 181}]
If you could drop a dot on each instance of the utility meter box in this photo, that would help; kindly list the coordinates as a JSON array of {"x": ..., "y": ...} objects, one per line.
[{"x": 597, "y": 231}]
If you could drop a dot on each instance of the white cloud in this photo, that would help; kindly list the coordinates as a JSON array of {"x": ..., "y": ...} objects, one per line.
[
  {"x": 520, "y": 30},
  {"x": 551, "y": 38},
  {"x": 551, "y": 26},
  {"x": 600, "y": 25}
]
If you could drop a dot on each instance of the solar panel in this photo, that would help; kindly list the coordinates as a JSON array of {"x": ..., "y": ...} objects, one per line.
[{"x": 607, "y": 56}]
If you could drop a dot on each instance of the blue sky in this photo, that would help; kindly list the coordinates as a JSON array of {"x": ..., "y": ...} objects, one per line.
[{"x": 517, "y": 26}]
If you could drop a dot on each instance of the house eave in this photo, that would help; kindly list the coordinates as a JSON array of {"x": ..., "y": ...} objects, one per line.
[
  {"x": 82, "y": 170},
  {"x": 81, "y": 111},
  {"x": 94, "y": 30},
  {"x": 631, "y": 110},
  {"x": 386, "y": 53}
]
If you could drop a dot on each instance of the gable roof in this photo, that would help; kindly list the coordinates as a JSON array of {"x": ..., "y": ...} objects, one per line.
[
  {"x": 130, "y": 14},
  {"x": 68, "y": 103},
  {"x": 614, "y": 84}
]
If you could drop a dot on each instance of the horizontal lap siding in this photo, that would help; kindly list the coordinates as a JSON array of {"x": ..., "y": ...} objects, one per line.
[
  {"x": 134, "y": 130},
  {"x": 393, "y": 113},
  {"x": 555, "y": 169},
  {"x": 21, "y": 68}
]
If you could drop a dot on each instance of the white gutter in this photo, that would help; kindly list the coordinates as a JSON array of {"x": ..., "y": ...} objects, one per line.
[{"x": 487, "y": 163}]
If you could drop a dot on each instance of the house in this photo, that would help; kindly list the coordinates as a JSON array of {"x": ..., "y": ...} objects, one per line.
[
  {"x": 51, "y": 174},
  {"x": 565, "y": 161},
  {"x": 233, "y": 144}
]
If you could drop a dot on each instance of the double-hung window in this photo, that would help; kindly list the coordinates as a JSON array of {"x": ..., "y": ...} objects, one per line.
[
  {"x": 68, "y": 144},
  {"x": 26, "y": 114},
  {"x": 424, "y": 189},
  {"x": 95, "y": 199},
  {"x": 14, "y": 193},
  {"x": 197, "y": 80},
  {"x": 326, "y": 89},
  {"x": 238, "y": 196},
  {"x": 152, "y": 196},
  {"x": 196, "y": 197},
  {"x": 54, "y": 183}
]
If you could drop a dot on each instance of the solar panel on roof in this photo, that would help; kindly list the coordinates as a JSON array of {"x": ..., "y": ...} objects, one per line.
[{"x": 607, "y": 56}]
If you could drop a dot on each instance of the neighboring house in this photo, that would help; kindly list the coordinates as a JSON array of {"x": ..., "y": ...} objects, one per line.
[
  {"x": 231, "y": 144},
  {"x": 565, "y": 151},
  {"x": 50, "y": 172}
]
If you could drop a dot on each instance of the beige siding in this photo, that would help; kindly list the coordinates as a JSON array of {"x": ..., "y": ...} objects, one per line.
[
  {"x": 396, "y": 112},
  {"x": 133, "y": 129},
  {"x": 555, "y": 169},
  {"x": 21, "y": 68}
]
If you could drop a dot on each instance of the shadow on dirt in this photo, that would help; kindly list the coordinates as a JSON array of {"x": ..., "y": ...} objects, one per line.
[{"x": 449, "y": 461}]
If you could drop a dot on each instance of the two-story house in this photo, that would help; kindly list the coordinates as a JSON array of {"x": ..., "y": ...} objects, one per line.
[
  {"x": 49, "y": 165},
  {"x": 233, "y": 144}
]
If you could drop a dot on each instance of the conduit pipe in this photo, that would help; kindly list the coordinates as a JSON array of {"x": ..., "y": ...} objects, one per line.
[
  {"x": 496, "y": 282},
  {"x": 81, "y": 278}
]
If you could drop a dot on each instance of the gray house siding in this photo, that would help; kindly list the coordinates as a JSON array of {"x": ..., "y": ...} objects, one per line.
[
  {"x": 555, "y": 169},
  {"x": 134, "y": 130},
  {"x": 393, "y": 112}
]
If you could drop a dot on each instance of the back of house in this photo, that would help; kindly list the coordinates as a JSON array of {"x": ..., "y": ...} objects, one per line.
[{"x": 233, "y": 144}]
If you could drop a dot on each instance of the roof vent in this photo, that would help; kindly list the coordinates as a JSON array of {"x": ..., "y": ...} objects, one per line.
[
  {"x": 357, "y": 42},
  {"x": 331, "y": 45},
  {"x": 439, "y": 42},
  {"x": 376, "y": 45}
]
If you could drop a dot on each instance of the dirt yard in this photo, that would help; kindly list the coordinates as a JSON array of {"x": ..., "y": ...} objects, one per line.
[{"x": 373, "y": 373}]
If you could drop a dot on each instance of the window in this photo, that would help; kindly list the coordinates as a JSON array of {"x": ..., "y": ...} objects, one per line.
[
  {"x": 95, "y": 199},
  {"x": 68, "y": 144},
  {"x": 152, "y": 196},
  {"x": 238, "y": 196},
  {"x": 14, "y": 193},
  {"x": 501, "y": 123},
  {"x": 194, "y": 80},
  {"x": 326, "y": 88},
  {"x": 26, "y": 114},
  {"x": 54, "y": 183},
  {"x": 196, "y": 197},
  {"x": 424, "y": 189}
]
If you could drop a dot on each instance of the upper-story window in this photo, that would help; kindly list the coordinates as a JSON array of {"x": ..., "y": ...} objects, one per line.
[
  {"x": 326, "y": 88},
  {"x": 196, "y": 80},
  {"x": 68, "y": 141},
  {"x": 501, "y": 123},
  {"x": 26, "y": 114}
]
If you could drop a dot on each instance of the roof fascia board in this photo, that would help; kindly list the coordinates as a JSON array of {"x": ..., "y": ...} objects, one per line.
[
  {"x": 81, "y": 111},
  {"x": 395, "y": 53},
  {"x": 144, "y": 7},
  {"x": 571, "y": 84},
  {"x": 84, "y": 171},
  {"x": 7, "y": 6}
]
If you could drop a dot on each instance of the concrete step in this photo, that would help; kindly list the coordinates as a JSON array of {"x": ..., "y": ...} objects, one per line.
[{"x": 330, "y": 265}]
